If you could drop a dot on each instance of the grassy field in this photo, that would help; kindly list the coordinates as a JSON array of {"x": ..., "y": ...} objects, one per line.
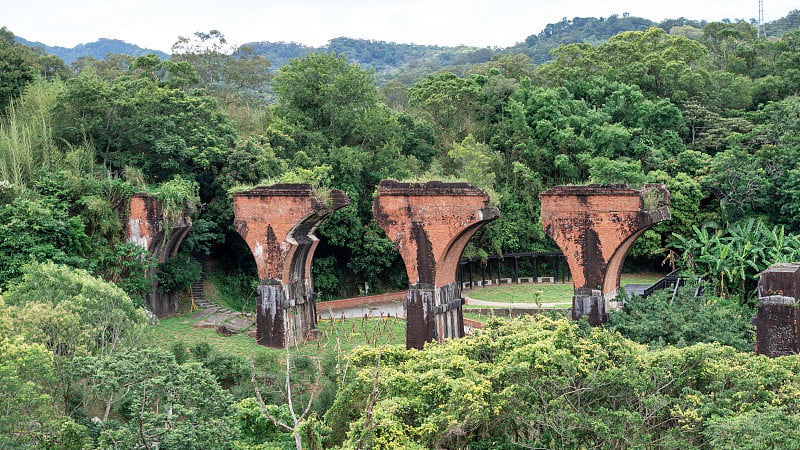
[
  {"x": 178, "y": 328},
  {"x": 346, "y": 334},
  {"x": 524, "y": 293},
  {"x": 485, "y": 317},
  {"x": 557, "y": 294}
]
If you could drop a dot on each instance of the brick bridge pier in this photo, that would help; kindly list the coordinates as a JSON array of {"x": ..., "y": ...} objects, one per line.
[
  {"x": 777, "y": 332},
  {"x": 431, "y": 224},
  {"x": 595, "y": 226},
  {"x": 278, "y": 223},
  {"x": 161, "y": 237}
]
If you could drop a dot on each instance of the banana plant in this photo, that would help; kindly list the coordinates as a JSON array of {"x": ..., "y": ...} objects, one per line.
[{"x": 733, "y": 259}]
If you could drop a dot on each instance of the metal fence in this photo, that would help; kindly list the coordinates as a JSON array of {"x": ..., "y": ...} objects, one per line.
[
  {"x": 674, "y": 280},
  {"x": 528, "y": 267}
]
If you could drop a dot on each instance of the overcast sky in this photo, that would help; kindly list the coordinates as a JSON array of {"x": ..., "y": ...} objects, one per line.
[{"x": 156, "y": 24}]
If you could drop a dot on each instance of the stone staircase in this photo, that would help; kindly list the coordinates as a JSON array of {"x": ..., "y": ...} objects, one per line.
[
  {"x": 222, "y": 319},
  {"x": 197, "y": 289}
]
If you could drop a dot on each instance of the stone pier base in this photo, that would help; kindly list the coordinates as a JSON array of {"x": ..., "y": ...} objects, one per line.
[
  {"x": 777, "y": 333},
  {"x": 283, "y": 319},
  {"x": 776, "y": 322},
  {"x": 589, "y": 303},
  {"x": 433, "y": 314}
]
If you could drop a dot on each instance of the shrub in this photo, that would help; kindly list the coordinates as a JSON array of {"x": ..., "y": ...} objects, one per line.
[
  {"x": 178, "y": 273},
  {"x": 235, "y": 290},
  {"x": 685, "y": 320}
]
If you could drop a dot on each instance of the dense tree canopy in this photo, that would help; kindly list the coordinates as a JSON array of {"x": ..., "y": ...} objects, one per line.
[
  {"x": 17, "y": 68},
  {"x": 709, "y": 114},
  {"x": 710, "y": 110},
  {"x": 554, "y": 384}
]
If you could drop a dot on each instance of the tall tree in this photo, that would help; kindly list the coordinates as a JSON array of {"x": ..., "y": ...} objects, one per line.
[
  {"x": 235, "y": 74},
  {"x": 449, "y": 102},
  {"x": 660, "y": 64},
  {"x": 323, "y": 93},
  {"x": 338, "y": 126},
  {"x": 146, "y": 123},
  {"x": 17, "y": 68}
]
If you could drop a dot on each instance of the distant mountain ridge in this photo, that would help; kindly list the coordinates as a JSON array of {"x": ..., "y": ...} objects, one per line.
[
  {"x": 403, "y": 62},
  {"x": 409, "y": 62},
  {"x": 97, "y": 49}
]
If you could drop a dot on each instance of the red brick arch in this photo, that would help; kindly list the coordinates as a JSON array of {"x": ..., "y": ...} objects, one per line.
[
  {"x": 431, "y": 224},
  {"x": 595, "y": 227},
  {"x": 148, "y": 228},
  {"x": 278, "y": 223}
]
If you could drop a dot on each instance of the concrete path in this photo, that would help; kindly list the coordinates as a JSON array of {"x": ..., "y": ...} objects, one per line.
[
  {"x": 475, "y": 302},
  {"x": 392, "y": 309}
]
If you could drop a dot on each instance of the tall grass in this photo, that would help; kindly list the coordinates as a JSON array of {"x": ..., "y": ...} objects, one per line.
[{"x": 26, "y": 143}]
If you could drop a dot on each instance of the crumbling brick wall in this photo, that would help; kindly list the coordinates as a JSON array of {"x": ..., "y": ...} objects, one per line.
[
  {"x": 431, "y": 224},
  {"x": 148, "y": 228},
  {"x": 595, "y": 227},
  {"x": 278, "y": 223}
]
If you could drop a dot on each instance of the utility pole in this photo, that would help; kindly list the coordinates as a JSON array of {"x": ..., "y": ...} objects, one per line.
[{"x": 762, "y": 28}]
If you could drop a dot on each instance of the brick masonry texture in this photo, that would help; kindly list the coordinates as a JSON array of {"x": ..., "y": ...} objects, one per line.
[
  {"x": 144, "y": 217},
  {"x": 595, "y": 227},
  {"x": 146, "y": 226},
  {"x": 431, "y": 223},
  {"x": 278, "y": 223}
]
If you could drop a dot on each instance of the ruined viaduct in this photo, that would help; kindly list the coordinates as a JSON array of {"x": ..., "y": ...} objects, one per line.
[
  {"x": 595, "y": 227},
  {"x": 278, "y": 223},
  {"x": 161, "y": 237},
  {"x": 431, "y": 224}
]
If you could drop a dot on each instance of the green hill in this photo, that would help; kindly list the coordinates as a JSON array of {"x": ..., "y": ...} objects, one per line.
[
  {"x": 97, "y": 49},
  {"x": 408, "y": 63}
]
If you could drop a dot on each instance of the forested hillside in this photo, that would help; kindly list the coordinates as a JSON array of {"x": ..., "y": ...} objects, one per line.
[
  {"x": 98, "y": 49},
  {"x": 589, "y": 30},
  {"x": 710, "y": 110},
  {"x": 409, "y": 62}
]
